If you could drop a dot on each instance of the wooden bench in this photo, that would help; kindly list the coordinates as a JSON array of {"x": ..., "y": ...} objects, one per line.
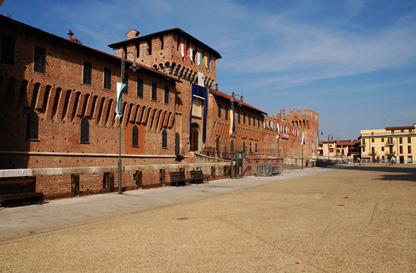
[
  {"x": 197, "y": 176},
  {"x": 19, "y": 191},
  {"x": 178, "y": 177}
]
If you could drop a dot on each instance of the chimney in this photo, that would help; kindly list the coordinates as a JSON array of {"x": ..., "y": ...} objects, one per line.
[
  {"x": 132, "y": 34},
  {"x": 216, "y": 86},
  {"x": 70, "y": 34}
]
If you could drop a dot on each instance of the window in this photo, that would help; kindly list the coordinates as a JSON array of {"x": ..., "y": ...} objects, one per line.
[
  {"x": 154, "y": 92},
  {"x": 401, "y": 149},
  {"x": 226, "y": 113},
  {"x": 255, "y": 147},
  {"x": 126, "y": 81},
  {"x": 382, "y": 149},
  {"x": 409, "y": 149},
  {"x": 249, "y": 119},
  {"x": 39, "y": 59},
  {"x": 244, "y": 118},
  {"x": 177, "y": 144},
  {"x": 32, "y": 126},
  {"x": 219, "y": 110},
  {"x": 86, "y": 76},
  {"x": 7, "y": 50},
  {"x": 197, "y": 107},
  {"x": 238, "y": 116},
  {"x": 149, "y": 47},
  {"x": 166, "y": 97},
  {"x": 409, "y": 159},
  {"x": 372, "y": 140},
  {"x": 139, "y": 91},
  {"x": 107, "y": 78},
  {"x": 85, "y": 131},
  {"x": 382, "y": 139},
  {"x": 409, "y": 140},
  {"x": 135, "y": 136},
  {"x": 164, "y": 139},
  {"x": 251, "y": 147},
  {"x": 400, "y": 140}
]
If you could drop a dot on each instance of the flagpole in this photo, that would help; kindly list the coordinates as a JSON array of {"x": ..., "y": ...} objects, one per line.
[
  {"x": 119, "y": 121},
  {"x": 134, "y": 67}
]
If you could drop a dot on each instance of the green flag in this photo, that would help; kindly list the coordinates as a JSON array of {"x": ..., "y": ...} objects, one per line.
[{"x": 120, "y": 88}]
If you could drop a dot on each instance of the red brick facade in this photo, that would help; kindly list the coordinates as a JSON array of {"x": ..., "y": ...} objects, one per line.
[{"x": 50, "y": 87}]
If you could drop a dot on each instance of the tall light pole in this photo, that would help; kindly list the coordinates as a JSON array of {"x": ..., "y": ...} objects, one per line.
[
  {"x": 332, "y": 137},
  {"x": 317, "y": 132},
  {"x": 232, "y": 120},
  {"x": 134, "y": 67}
]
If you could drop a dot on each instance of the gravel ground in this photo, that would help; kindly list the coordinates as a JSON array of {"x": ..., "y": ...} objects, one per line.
[{"x": 355, "y": 219}]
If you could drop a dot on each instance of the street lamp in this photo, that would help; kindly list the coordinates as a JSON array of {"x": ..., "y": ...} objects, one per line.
[
  {"x": 332, "y": 137},
  {"x": 317, "y": 132},
  {"x": 133, "y": 67},
  {"x": 240, "y": 103}
]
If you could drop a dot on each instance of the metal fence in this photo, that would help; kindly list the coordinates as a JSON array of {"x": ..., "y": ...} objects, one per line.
[{"x": 267, "y": 169}]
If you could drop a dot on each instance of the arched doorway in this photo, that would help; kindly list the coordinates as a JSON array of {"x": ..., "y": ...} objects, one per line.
[{"x": 194, "y": 137}]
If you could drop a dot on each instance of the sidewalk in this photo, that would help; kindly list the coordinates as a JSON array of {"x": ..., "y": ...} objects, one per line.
[
  {"x": 55, "y": 215},
  {"x": 337, "y": 219}
]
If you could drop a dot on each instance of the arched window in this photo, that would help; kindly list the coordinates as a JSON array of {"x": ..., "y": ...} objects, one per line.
[
  {"x": 85, "y": 131},
  {"x": 135, "y": 136},
  {"x": 32, "y": 125},
  {"x": 164, "y": 139}
]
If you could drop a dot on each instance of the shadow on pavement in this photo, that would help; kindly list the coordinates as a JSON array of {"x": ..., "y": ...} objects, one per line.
[{"x": 397, "y": 172}]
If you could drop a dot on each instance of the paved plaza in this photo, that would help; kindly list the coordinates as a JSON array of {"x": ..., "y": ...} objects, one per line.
[{"x": 339, "y": 219}]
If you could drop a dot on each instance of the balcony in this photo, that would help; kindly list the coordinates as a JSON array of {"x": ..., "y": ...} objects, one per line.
[{"x": 389, "y": 143}]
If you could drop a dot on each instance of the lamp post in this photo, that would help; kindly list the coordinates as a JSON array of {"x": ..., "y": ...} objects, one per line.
[
  {"x": 231, "y": 125},
  {"x": 332, "y": 137},
  {"x": 134, "y": 67},
  {"x": 317, "y": 133}
]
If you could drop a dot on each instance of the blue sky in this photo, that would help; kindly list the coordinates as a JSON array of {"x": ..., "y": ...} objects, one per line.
[{"x": 352, "y": 61}]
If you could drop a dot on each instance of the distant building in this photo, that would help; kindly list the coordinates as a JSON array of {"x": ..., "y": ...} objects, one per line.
[
  {"x": 381, "y": 144},
  {"x": 339, "y": 149}
]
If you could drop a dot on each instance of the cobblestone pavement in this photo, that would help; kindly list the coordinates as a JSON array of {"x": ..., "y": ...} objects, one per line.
[{"x": 344, "y": 219}]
